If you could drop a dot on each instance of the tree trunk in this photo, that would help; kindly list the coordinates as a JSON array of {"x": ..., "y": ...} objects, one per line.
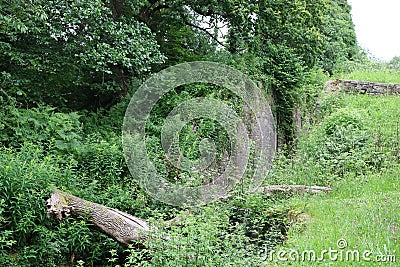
[{"x": 122, "y": 227}]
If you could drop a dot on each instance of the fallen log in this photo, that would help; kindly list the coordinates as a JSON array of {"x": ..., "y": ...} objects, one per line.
[
  {"x": 121, "y": 226},
  {"x": 300, "y": 189},
  {"x": 125, "y": 228}
]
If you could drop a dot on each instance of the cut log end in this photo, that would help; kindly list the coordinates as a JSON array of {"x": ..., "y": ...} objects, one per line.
[{"x": 57, "y": 206}]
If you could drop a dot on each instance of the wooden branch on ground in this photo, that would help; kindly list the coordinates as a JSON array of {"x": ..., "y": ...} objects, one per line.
[
  {"x": 121, "y": 226},
  {"x": 300, "y": 189}
]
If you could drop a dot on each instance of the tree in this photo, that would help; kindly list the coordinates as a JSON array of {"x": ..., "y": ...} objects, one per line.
[
  {"x": 74, "y": 54},
  {"x": 394, "y": 63},
  {"x": 295, "y": 36},
  {"x": 338, "y": 35}
]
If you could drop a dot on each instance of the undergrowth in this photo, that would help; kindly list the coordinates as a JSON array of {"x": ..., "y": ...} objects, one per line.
[
  {"x": 350, "y": 143},
  {"x": 354, "y": 149}
]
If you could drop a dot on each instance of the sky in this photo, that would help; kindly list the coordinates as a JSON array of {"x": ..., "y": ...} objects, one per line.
[{"x": 377, "y": 25}]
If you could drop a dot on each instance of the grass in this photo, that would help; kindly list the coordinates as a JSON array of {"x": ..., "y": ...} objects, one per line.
[
  {"x": 383, "y": 75},
  {"x": 363, "y": 209},
  {"x": 382, "y": 114}
]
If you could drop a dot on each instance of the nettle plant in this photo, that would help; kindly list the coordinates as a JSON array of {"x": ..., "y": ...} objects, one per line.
[{"x": 43, "y": 126}]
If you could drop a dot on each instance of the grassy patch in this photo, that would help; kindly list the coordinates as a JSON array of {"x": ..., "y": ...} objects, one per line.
[
  {"x": 383, "y": 75},
  {"x": 363, "y": 211},
  {"x": 364, "y": 207}
]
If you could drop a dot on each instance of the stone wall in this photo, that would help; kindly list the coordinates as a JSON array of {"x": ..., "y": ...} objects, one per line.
[{"x": 363, "y": 87}]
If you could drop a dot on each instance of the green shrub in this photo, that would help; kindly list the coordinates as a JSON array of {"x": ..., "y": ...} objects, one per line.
[
  {"x": 327, "y": 104},
  {"x": 101, "y": 160},
  {"x": 314, "y": 81},
  {"x": 220, "y": 234},
  {"x": 342, "y": 120},
  {"x": 28, "y": 237},
  {"x": 342, "y": 143},
  {"x": 42, "y": 126}
]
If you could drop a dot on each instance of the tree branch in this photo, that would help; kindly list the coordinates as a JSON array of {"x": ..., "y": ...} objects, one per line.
[
  {"x": 148, "y": 11},
  {"x": 204, "y": 30}
]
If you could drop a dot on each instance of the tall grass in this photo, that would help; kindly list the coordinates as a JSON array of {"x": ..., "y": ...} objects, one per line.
[
  {"x": 369, "y": 71},
  {"x": 382, "y": 75}
]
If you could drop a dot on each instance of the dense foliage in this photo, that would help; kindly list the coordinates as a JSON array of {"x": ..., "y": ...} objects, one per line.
[
  {"x": 83, "y": 55},
  {"x": 73, "y": 54},
  {"x": 67, "y": 71}
]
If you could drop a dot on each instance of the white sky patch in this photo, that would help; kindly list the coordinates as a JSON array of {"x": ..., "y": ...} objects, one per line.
[{"x": 377, "y": 25}]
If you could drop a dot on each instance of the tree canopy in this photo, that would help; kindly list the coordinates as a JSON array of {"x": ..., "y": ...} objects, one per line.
[{"x": 87, "y": 54}]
